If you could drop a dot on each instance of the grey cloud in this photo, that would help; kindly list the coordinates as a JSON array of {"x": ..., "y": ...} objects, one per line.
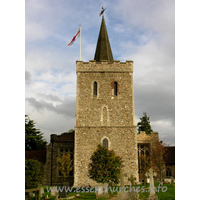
[
  {"x": 166, "y": 132},
  {"x": 67, "y": 107},
  {"x": 27, "y": 77},
  {"x": 50, "y": 97},
  {"x": 158, "y": 102},
  {"x": 33, "y": 102},
  {"x": 169, "y": 139}
]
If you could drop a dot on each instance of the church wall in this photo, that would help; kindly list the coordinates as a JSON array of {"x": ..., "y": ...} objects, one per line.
[
  {"x": 64, "y": 141},
  {"x": 104, "y": 114},
  {"x": 142, "y": 137},
  {"x": 121, "y": 139},
  {"x": 120, "y": 108},
  {"x": 151, "y": 139}
]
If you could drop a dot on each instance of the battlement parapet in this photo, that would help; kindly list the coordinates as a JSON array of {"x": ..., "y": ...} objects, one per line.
[{"x": 105, "y": 66}]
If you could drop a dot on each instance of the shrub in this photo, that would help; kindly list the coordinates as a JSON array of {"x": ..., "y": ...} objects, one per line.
[
  {"x": 105, "y": 166},
  {"x": 34, "y": 173}
]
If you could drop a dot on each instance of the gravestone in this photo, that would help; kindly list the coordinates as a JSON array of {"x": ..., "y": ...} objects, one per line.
[
  {"x": 101, "y": 191},
  {"x": 121, "y": 178},
  {"x": 32, "y": 194},
  {"x": 126, "y": 194},
  {"x": 56, "y": 197},
  {"x": 167, "y": 180},
  {"x": 132, "y": 194},
  {"x": 41, "y": 190},
  {"x": 122, "y": 195},
  {"x": 151, "y": 174},
  {"x": 54, "y": 191},
  {"x": 62, "y": 193},
  {"x": 132, "y": 180}
]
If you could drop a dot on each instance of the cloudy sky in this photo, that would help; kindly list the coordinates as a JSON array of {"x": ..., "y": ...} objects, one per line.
[{"x": 142, "y": 31}]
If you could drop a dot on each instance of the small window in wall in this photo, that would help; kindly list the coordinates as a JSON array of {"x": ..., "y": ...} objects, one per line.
[
  {"x": 115, "y": 88},
  {"x": 105, "y": 143},
  {"x": 95, "y": 89},
  {"x": 168, "y": 172}
]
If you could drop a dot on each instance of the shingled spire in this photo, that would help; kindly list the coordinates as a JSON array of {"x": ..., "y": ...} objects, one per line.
[{"x": 103, "y": 49}]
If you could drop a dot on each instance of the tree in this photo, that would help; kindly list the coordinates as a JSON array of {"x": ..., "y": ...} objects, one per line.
[
  {"x": 64, "y": 164},
  {"x": 145, "y": 164},
  {"x": 144, "y": 124},
  {"x": 105, "y": 166},
  {"x": 157, "y": 153},
  {"x": 34, "y": 173},
  {"x": 34, "y": 139}
]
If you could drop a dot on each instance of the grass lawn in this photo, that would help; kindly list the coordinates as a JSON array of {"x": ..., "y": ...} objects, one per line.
[{"x": 167, "y": 192}]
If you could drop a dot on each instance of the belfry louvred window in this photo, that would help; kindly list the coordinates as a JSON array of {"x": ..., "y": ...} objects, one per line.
[
  {"x": 95, "y": 89},
  {"x": 115, "y": 88}
]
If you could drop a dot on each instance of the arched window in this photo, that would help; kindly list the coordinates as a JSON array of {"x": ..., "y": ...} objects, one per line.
[
  {"x": 95, "y": 88},
  {"x": 105, "y": 143},
  {"x": 115, "y": 88}
]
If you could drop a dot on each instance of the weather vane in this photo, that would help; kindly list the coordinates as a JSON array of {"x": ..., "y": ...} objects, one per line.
[{"x": 102, "y": 11}]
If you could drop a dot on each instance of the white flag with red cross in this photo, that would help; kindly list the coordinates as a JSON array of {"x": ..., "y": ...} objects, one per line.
[{"x": 77, "y": 34}]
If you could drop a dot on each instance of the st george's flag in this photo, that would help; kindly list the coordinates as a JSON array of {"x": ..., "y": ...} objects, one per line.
[{"x": 77, "y": 34}]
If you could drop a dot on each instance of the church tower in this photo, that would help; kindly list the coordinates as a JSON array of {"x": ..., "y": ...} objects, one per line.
[{"x": 105, "y": 111}]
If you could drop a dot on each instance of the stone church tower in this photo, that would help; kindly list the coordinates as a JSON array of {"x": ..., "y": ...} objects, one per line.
[{"x": 105, "y": 111}]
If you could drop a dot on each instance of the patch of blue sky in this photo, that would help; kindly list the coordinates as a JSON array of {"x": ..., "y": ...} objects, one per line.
[
  {"x": 37, "y": 74},
  {"x": 58, "y": 86}
]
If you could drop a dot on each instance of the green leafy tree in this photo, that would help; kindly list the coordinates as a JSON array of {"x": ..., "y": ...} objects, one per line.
[
  {"x": 34, "y": 173},
  {"x": 105, "y": 166},
  {"x": 34, "y": 139},
  {"x": 144, "y": 124},
  {"x": 64, "y": 164}
]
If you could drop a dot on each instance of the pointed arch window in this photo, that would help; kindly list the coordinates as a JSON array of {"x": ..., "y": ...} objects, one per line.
[
  {"x": 105, "y": 143},
  {"x": 95, "y": 89},
  {"x": 115, "y": 88}
]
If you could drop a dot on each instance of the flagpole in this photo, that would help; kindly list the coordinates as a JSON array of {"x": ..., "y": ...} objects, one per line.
[{"x": 80, "y": 44}]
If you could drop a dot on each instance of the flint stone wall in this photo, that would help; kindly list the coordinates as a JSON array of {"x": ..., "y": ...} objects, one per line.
[
  {"x": 104, "y": 115},
  {"x": 121, "y": 139}
]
